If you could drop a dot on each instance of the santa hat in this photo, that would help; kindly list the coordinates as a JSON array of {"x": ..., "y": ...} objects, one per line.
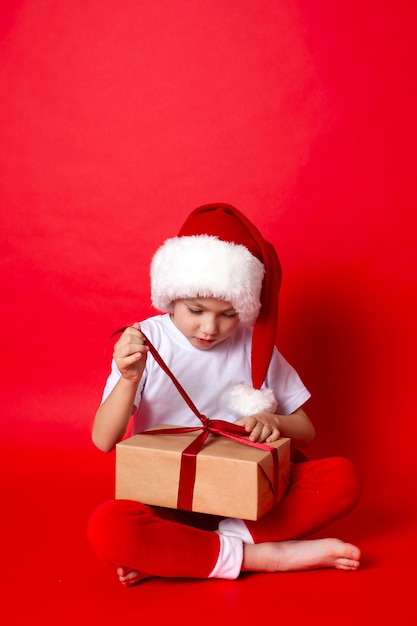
[{"x": 219, "y": 253}]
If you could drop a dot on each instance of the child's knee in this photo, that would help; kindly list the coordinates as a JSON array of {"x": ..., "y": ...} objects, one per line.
[
  {"x": 347, "y": 475},
  {"x": 110, "y": 526},
  {"x": 335, "y": 477}
]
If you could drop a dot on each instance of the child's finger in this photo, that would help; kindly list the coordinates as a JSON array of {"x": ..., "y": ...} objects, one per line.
[
  {"x": 256, "y": 433},
  {"x": 123, "y": 363},
  {"x": 273, "y": 436}
]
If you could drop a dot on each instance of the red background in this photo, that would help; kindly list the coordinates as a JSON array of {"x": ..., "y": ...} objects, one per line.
[{"x": 119, "y": 118}]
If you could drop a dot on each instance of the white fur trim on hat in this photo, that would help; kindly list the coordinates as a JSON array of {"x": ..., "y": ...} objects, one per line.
[
  {"x": 207, "y": 267},
  {"x": 245, "y": 400}
]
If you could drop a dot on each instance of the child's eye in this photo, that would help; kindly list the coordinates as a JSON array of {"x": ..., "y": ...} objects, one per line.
[
  {"x": 194, "y": 311},
  {"x": 229, "y": 316}
]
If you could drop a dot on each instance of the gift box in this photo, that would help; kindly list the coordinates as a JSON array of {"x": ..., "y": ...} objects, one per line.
[{"x": 232, "y": 479}]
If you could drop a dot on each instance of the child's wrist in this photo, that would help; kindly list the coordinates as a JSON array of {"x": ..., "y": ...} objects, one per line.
[{"x": 131, "y": 381}]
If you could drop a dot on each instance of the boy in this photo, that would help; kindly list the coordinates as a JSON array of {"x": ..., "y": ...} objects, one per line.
[{"x": 218, "y": 284}]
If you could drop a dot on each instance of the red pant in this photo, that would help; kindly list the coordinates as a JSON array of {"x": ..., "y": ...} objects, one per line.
[{"x": 164, "y": 542}]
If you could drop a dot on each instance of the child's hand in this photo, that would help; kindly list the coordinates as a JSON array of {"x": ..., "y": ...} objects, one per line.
[
  {"x": 261, "y": 426},
  {"x": 130, "y": 353}
]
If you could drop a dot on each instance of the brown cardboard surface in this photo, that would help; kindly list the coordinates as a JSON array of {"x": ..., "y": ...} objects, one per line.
[{"x": 232, "y": 479}]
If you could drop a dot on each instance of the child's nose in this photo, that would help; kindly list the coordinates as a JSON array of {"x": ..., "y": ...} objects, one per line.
[{"x": 209, "y": 326}]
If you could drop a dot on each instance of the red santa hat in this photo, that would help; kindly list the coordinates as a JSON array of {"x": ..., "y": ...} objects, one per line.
[{"x": 219, "y": 253}]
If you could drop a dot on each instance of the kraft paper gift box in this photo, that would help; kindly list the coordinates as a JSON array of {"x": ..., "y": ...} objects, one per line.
[{"x": 232, "y": 479}]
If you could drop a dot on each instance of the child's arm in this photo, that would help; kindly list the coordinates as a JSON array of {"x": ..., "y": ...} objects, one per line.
[
  {"x": 113, "y": 414},
  {"x": 270, "y": 427}
]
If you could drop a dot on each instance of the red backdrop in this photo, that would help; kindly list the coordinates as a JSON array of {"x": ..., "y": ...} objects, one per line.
[{"x": 118, "y": 118}]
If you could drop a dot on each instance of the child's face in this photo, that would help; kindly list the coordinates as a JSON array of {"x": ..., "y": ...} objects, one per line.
[{"x": 205, "y": 322}]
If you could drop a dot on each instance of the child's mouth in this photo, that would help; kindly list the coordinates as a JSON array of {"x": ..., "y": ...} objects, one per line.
[{"x": 204, "y": 342}]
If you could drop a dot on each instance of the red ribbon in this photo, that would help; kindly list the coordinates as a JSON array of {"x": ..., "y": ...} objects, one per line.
[{"x": 217, "y": 427}]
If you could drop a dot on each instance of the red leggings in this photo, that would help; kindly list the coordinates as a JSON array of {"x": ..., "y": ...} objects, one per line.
[{"x": 164, "y": 542}]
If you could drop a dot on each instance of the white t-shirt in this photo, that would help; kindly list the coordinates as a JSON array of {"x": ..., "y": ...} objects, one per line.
[{"x": 207, "y": 376}]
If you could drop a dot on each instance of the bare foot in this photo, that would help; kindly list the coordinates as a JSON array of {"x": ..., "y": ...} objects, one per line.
[
  {"x": 287, "y": 556},
  {"x": 129, "y": 577}
]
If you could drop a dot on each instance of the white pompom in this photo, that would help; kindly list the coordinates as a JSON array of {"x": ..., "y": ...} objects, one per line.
[{"x": 245, "y": 400}]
